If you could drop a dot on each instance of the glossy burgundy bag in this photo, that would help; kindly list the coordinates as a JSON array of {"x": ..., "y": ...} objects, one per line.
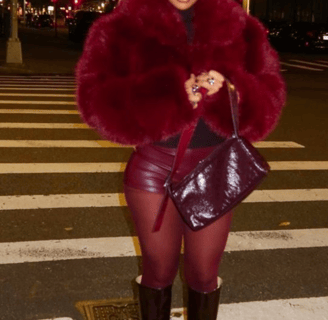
[{"x": 219, "y": 182}]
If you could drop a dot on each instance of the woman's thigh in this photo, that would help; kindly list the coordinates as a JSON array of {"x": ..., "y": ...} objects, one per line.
[
  {"x": 203, "y": 250},
  {"x": 161, "y": 249}
]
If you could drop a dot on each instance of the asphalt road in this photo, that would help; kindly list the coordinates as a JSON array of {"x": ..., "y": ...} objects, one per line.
[{"x": 67, "y": 236}]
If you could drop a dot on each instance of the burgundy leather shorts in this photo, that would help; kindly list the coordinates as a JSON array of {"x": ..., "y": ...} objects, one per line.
[{"x": 149, "y": 166}]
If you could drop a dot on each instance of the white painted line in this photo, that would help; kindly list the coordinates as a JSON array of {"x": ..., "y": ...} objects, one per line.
[
  {"x": 300, "y": 67},
  {"x": 36, "y": 86},
  {"x": 38, "y": 77},
  {"x": 20, "y": 168},
  {"x": 35, "y": 81},
  {"x": 23, "y": 202},
  {"x": 109, "y": 144},
  {"x": 39, "y": 111},
  {"x": 65, "y": 318},
  {"x": 37, "y": 89},
  {"x": 277, "y": 144},
  {"x": 11, "y": 125},
  {"x": 58, "y": 144},
  {"x": 310, "y": 63},
  {"x": 287, "y": 195},
  {"x": 37, "y": 102},
  {"x": 323, "y": 61},
  {"x": 38, "y": 95},
  {"x": 298, "y": 165},
  {"x": 113, "y": 247},
  {"x": 284, "y": 309},
  {"x": 81, "y": 167},
  {"x": 62, "y": 201}
]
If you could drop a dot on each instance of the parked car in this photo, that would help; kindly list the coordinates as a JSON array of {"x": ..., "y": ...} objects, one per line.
[
  {"x": 303, "y": 36},
  {"x": 79, "y": 26},
  {"x": 42, "y": 21}
]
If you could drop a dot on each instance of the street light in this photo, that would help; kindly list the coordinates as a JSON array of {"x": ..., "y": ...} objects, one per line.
[
  {"x": 246, "y": 4},
  {"x": 14, "y": 48}
]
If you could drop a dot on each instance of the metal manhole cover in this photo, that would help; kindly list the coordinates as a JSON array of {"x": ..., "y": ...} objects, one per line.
[{"x": 115, "y": 309}]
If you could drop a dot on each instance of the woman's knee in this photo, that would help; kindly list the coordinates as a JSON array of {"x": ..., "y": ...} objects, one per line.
[
  {"x": 159, "y": 273},
  {"x": 201, "y": 280}
]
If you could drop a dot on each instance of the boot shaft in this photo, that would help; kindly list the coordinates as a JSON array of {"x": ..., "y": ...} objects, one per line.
[
  {"x": 154, "y": 303},
  {"x": 203, "y": 305}
]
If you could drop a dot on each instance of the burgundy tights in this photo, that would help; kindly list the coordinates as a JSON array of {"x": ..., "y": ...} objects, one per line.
[{"x": 203, "y": 249}]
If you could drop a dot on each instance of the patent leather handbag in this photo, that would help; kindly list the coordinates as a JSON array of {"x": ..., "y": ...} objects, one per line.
[{"x": 219, "y": 182}]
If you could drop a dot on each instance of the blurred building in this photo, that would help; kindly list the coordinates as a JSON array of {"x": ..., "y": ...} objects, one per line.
[{"x": 291, "y": 10}]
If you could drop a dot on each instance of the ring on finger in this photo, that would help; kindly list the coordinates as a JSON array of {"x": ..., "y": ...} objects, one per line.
[
  {"x": 194, "y": 88},
  {"x": 211, "y": 81}
]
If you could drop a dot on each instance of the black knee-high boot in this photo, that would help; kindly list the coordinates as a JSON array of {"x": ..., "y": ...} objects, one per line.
[
  {"x": 154, "y": 304},
  {"x": 203, "y": 306}
]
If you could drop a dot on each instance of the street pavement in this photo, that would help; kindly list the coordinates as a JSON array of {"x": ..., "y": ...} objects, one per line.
[{"x": 67, "y": 235}]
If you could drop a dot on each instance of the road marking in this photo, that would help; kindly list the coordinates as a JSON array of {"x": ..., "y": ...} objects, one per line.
[
  {"x": 38, "y": 95},
  {"x": 39, "y": 89},
  {"x": 24, "y": 202},
  {"x": 114, "y": 247},
  {"x": 300, "y": 67},
  {"x": 277, "y": 144},
  {"x": 36, "y": 86},
  {"x": 288, "y": 195},
  {"x": 33, "y": 82},
  {"x": 109, "y": 144},
  {"x": 298, "y": 165},
  {"x": 37, "y": 77},
  {"x": 310, "y": 63},
  {"x": 284, "y": 309},
  {"x": 323, "y": 61},
  {"x": 65, "y": 318},
  {"x": 115, "y": 167},
  {"x": 10, "y": 125},
  {"x": 37, "y": 102},
  {"x": 41, "y": 111},
  {"x": 19, "y": 168}
]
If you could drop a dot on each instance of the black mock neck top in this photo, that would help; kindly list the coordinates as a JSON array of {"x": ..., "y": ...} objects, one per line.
[{"x": 203, "y": 136}]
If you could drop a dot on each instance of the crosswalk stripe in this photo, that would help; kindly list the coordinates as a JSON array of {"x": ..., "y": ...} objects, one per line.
[
  {"x": 37, "y": 102},
  {"x": 82, "y": 167},
  {"x": 32, "y": 111},
  {"x": 33, "y": 81},
  {"x": 109, "y": 144},
  {"x": 15, "y": 168},
  {"x": 37, "y": 77},
  {"x": 323, "y": 61},
  {"x": 298, "y": 165},
  {"x": 37, "y": 86},
  {"x": 300, "y": 67},
  {"x": 315, "y": 308},
  {"x": 310, "y": 63},
  {"x": 20, "y": 202},
  {"x": 37, "y": 95},
  {"x": 44, "y": 125},
  {"x": 113, "y": 247},
  {"x": 38, "y": 89}
]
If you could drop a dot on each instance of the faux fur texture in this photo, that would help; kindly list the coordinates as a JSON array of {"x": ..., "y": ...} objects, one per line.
[{"x": 136, "y": 60}]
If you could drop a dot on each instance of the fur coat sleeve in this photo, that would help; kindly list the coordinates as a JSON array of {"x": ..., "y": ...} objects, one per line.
[
  {"x": 122, "y": 103},
  {"x": 260, "y": 86}
]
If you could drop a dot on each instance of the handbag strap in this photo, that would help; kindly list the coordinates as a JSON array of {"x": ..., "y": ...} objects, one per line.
[
  {"x": 233, "y": 98},
  {"x": 182, "y": 147}
]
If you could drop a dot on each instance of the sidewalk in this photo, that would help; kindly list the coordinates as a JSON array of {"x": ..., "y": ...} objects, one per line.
[{"x": 43, "y": 52}]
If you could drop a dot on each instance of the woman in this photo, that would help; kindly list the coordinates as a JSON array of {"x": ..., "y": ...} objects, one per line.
[{"x": 137, "y": 85}]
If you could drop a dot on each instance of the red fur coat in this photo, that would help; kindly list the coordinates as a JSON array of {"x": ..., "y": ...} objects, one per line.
[{"x": 136, "y": 60}]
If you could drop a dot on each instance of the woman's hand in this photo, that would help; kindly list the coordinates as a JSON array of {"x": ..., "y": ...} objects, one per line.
[
  {"x": 192, "y": 87},
  {"x": 212, "y": 81}
]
